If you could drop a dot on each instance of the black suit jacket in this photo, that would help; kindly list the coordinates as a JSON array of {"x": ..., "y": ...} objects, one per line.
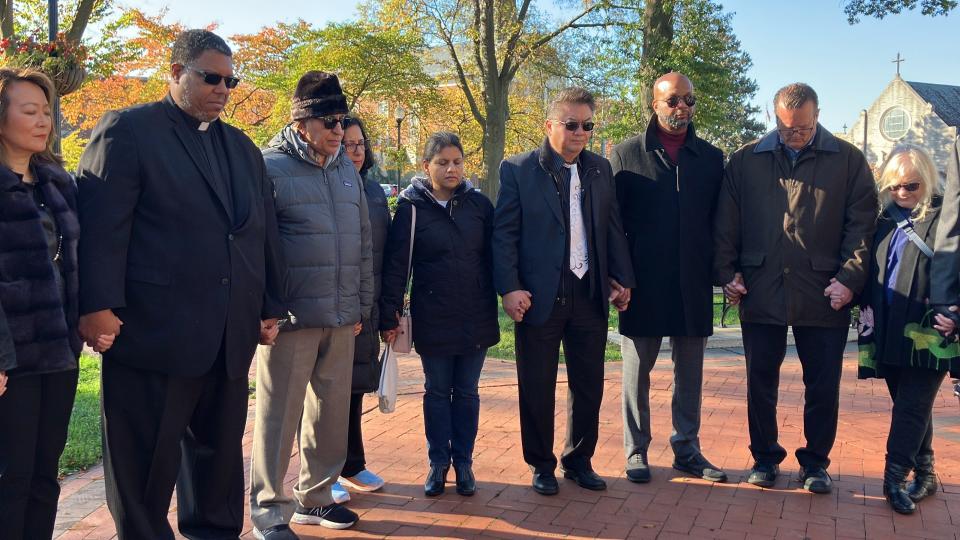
[
  {"x": 186, "y": 272},
  {"x": 667, "y": 212},
  {"x": 530, "y": 233},
  {"x": 945, "y": 272}
]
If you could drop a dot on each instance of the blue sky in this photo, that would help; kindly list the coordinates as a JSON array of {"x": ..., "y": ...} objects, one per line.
[{"x": 808, "y": 41}]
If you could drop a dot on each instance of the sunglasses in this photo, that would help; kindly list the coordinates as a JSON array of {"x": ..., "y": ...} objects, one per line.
[
  {"x": 214, "y": 79},
  {"x": 330, "y": 122},
  {"x": 788, "y": 133},
  {"x": 674, "y": 101},
  {"x": 572, "y": 125},
  {"x": 911, "y": 187}
]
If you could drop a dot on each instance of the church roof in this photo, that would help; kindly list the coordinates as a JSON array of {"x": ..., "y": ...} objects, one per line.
[{"x": 944, "y": 98}]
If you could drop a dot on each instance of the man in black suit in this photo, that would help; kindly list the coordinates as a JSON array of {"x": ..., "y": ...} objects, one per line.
[
  {"x": 560, "y": 257},
  {"x": 178, "y": 258},
  {"x": 667, "y": 180},
  {"x": 945, "y": 272}
]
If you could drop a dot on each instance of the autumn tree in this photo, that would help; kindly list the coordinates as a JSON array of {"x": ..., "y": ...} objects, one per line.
[{"x": 879, "y": 9}]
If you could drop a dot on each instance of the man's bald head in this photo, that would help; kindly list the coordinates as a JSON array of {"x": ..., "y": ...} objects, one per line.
[{"x": 673, "y": 102}]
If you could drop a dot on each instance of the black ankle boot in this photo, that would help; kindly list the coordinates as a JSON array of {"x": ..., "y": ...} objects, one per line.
[
  {"x": 893, "y": 477},
  {"x": 924, "y": 483},
  {"x": 466, "y": 483},
  {"x": 436, "y": 480}
]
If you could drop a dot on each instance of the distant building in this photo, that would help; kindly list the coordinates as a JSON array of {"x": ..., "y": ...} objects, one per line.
[{"x": 924, "y": 114}]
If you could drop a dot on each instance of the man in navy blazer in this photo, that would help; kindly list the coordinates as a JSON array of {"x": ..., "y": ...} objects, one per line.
[{"x": 560, "y": 258}]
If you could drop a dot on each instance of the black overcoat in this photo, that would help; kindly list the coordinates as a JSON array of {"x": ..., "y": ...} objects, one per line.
[
  {"x": 366, "y": 355},
  {"x": 184, "y": 270},
  {"x": 667, "y": 210}
]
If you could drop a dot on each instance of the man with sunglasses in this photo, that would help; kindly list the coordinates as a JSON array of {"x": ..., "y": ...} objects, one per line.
[
  {"x": 560, "y": 259},
  {"x": 327, "y": 245},
  {"x": 795, "y": 220},
  {"x": 667, "y": 184},
  {"x": 179, "y": 258}
]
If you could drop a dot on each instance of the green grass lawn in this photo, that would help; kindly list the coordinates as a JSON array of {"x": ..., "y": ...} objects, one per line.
[{"x": 83, "y": 437}]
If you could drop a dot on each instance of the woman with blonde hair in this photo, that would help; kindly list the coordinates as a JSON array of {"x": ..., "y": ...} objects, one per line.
[
  {"x": 39, "y": 297},
  {"x": 898, "y": 331}
]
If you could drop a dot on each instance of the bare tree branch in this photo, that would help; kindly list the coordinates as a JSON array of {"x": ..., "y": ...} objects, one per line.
[
  {"x": 522, "y": 57},
  {"x": 514, "y": 38}
]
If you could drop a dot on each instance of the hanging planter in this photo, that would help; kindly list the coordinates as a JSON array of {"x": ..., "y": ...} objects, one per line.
[{"x": 62, "y": 60}]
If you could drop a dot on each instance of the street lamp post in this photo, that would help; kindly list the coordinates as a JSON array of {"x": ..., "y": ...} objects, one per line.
[
  {"x": 53, "y": 28},
  {"x": 398, "y": 115}
]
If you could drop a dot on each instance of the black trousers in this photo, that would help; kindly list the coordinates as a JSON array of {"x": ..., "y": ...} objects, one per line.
[
  {"x": 821, "y": 358},
  {"x": 356, "y": 459},
  {"x": 578, "y": 322},
  {"x": 911, "y": 424},
  {"x": 34, "y": 415},
  {"x": 161, "y": 430}
]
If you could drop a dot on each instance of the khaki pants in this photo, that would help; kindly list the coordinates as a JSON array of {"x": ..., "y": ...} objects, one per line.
[{"x": 320, "y": 359}]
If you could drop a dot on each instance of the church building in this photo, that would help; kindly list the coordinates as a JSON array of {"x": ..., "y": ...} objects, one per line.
[{"x": 919, "y": 113}]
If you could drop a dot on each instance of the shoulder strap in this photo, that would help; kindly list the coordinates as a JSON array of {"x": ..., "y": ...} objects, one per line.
[
  {"x": 904, "y": 225},
  {"x": 413, "y": 230}
]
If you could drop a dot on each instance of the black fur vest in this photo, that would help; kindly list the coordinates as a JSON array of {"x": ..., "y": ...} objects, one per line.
[{"x": 43, "y": 326}]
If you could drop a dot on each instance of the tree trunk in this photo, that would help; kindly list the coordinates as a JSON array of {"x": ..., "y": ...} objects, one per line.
[
  {"x": 84, "y": 10},
  {"x": 6, "y": 18},
  {"x": 657, "y": 39},
  {"x": 495, "y": 135}
]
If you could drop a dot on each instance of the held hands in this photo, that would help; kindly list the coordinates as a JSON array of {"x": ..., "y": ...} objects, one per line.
[
  {"x": 269, "y": 329},
  {"x": 946, "y": 324},
  {"x": 735, "y": 290},
  {"x": 516, "y": 303},
  {"x": 357, "y": 328},
  {"x": 619, "y": 295},
  {"x": 99, "y": 329},
  {"x": 3, "y": 382},
  {"x": 838, "y": 293}
]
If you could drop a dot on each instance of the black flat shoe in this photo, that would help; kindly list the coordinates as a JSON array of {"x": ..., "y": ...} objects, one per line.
[
  {"x": 545, "y": 483},
  {"x": 701, "y": 468},
  {"x": 466, "y": 483},
  {"x": 816, "y": 480},
  {"x": 586, "y": 479},
  {"x": 763, "y": 474},
  {"x": 435, "y": 480}
]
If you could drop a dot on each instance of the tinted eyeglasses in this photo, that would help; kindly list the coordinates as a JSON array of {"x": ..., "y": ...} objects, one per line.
[
  {"x": 214, "y": 79},
  {"x": 358, "y": 146},
  {"x": 787, "y": 133},
  {"x": 674, "y": 101},
  {"x": 330, "y": 122},
  {"x": 572, "y": 125},
  {"x": 911, "y": 187}
]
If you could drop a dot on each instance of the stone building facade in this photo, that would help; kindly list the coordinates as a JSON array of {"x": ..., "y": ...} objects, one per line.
[{"x": 924, "y": 114}]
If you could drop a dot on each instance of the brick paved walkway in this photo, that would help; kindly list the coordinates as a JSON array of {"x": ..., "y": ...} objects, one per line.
[{"x": 672, "y": 506}]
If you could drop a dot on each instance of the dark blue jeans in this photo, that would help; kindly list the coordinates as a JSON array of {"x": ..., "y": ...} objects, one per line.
[{"x": 451, "y": 405}]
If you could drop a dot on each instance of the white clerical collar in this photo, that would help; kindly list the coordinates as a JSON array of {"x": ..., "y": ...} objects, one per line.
[{"x": 203, "y": 126}]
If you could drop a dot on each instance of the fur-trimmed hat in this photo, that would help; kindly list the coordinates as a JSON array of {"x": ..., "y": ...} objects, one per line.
[{"x": 318, "y": 94}]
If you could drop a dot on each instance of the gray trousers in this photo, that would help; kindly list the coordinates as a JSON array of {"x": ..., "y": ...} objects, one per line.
[
  {"x": 319, "y": 360},
  {"x": 639, "y": 357}
]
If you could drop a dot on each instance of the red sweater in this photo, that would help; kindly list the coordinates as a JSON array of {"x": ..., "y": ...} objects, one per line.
[{"x": 671, "y": 143}]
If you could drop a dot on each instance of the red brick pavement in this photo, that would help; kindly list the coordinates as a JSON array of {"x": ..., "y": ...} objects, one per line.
[{"x": 671, "y": 506}]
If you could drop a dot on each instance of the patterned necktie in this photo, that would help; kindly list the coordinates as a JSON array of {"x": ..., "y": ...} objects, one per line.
[{"x": 578, "y": 233}]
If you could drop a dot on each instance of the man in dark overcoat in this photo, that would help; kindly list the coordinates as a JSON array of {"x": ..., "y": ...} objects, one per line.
[
  {"x": 667, "y": 183},
  {"x": 794, "y": 225},
  {"x": 179, "y": 258}
]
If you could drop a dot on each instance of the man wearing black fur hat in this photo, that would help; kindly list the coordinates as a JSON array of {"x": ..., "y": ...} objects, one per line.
[{"x": 326, "y": 242}]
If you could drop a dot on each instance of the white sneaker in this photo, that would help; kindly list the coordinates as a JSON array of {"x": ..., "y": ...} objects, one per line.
[
  {"x": 340, "y": 494},
  {"x": 363, "y": 481}
]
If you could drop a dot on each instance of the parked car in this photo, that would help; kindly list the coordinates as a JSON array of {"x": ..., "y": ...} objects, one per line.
[{"x": 390, "y": 190}]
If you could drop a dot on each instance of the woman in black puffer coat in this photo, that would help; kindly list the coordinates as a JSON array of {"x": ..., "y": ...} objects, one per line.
[
  {"x": 366, "y": 357},
  {"x": 453, "y": 302}
]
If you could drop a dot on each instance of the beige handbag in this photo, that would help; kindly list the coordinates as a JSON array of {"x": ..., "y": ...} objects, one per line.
[{"x": 403, "y": 343}]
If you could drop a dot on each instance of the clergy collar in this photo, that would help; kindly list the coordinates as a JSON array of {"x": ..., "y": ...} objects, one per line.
[{"x": 191, "y": 122}]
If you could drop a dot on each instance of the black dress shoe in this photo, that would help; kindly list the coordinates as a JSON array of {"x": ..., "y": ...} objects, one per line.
[
  {"x": 466, "y": 483},
  {"x": 701, "y": 468},
  {"x": 586, "y": 478},
  {"x": 637, "y": 469},
  {"x": 435, "y": 480},
  {"x": 816, "y": 480},
  {"x": 545, "y": 483},
  {"x": 899, "y": 499},
  {"x": 763, "y": 474}
]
